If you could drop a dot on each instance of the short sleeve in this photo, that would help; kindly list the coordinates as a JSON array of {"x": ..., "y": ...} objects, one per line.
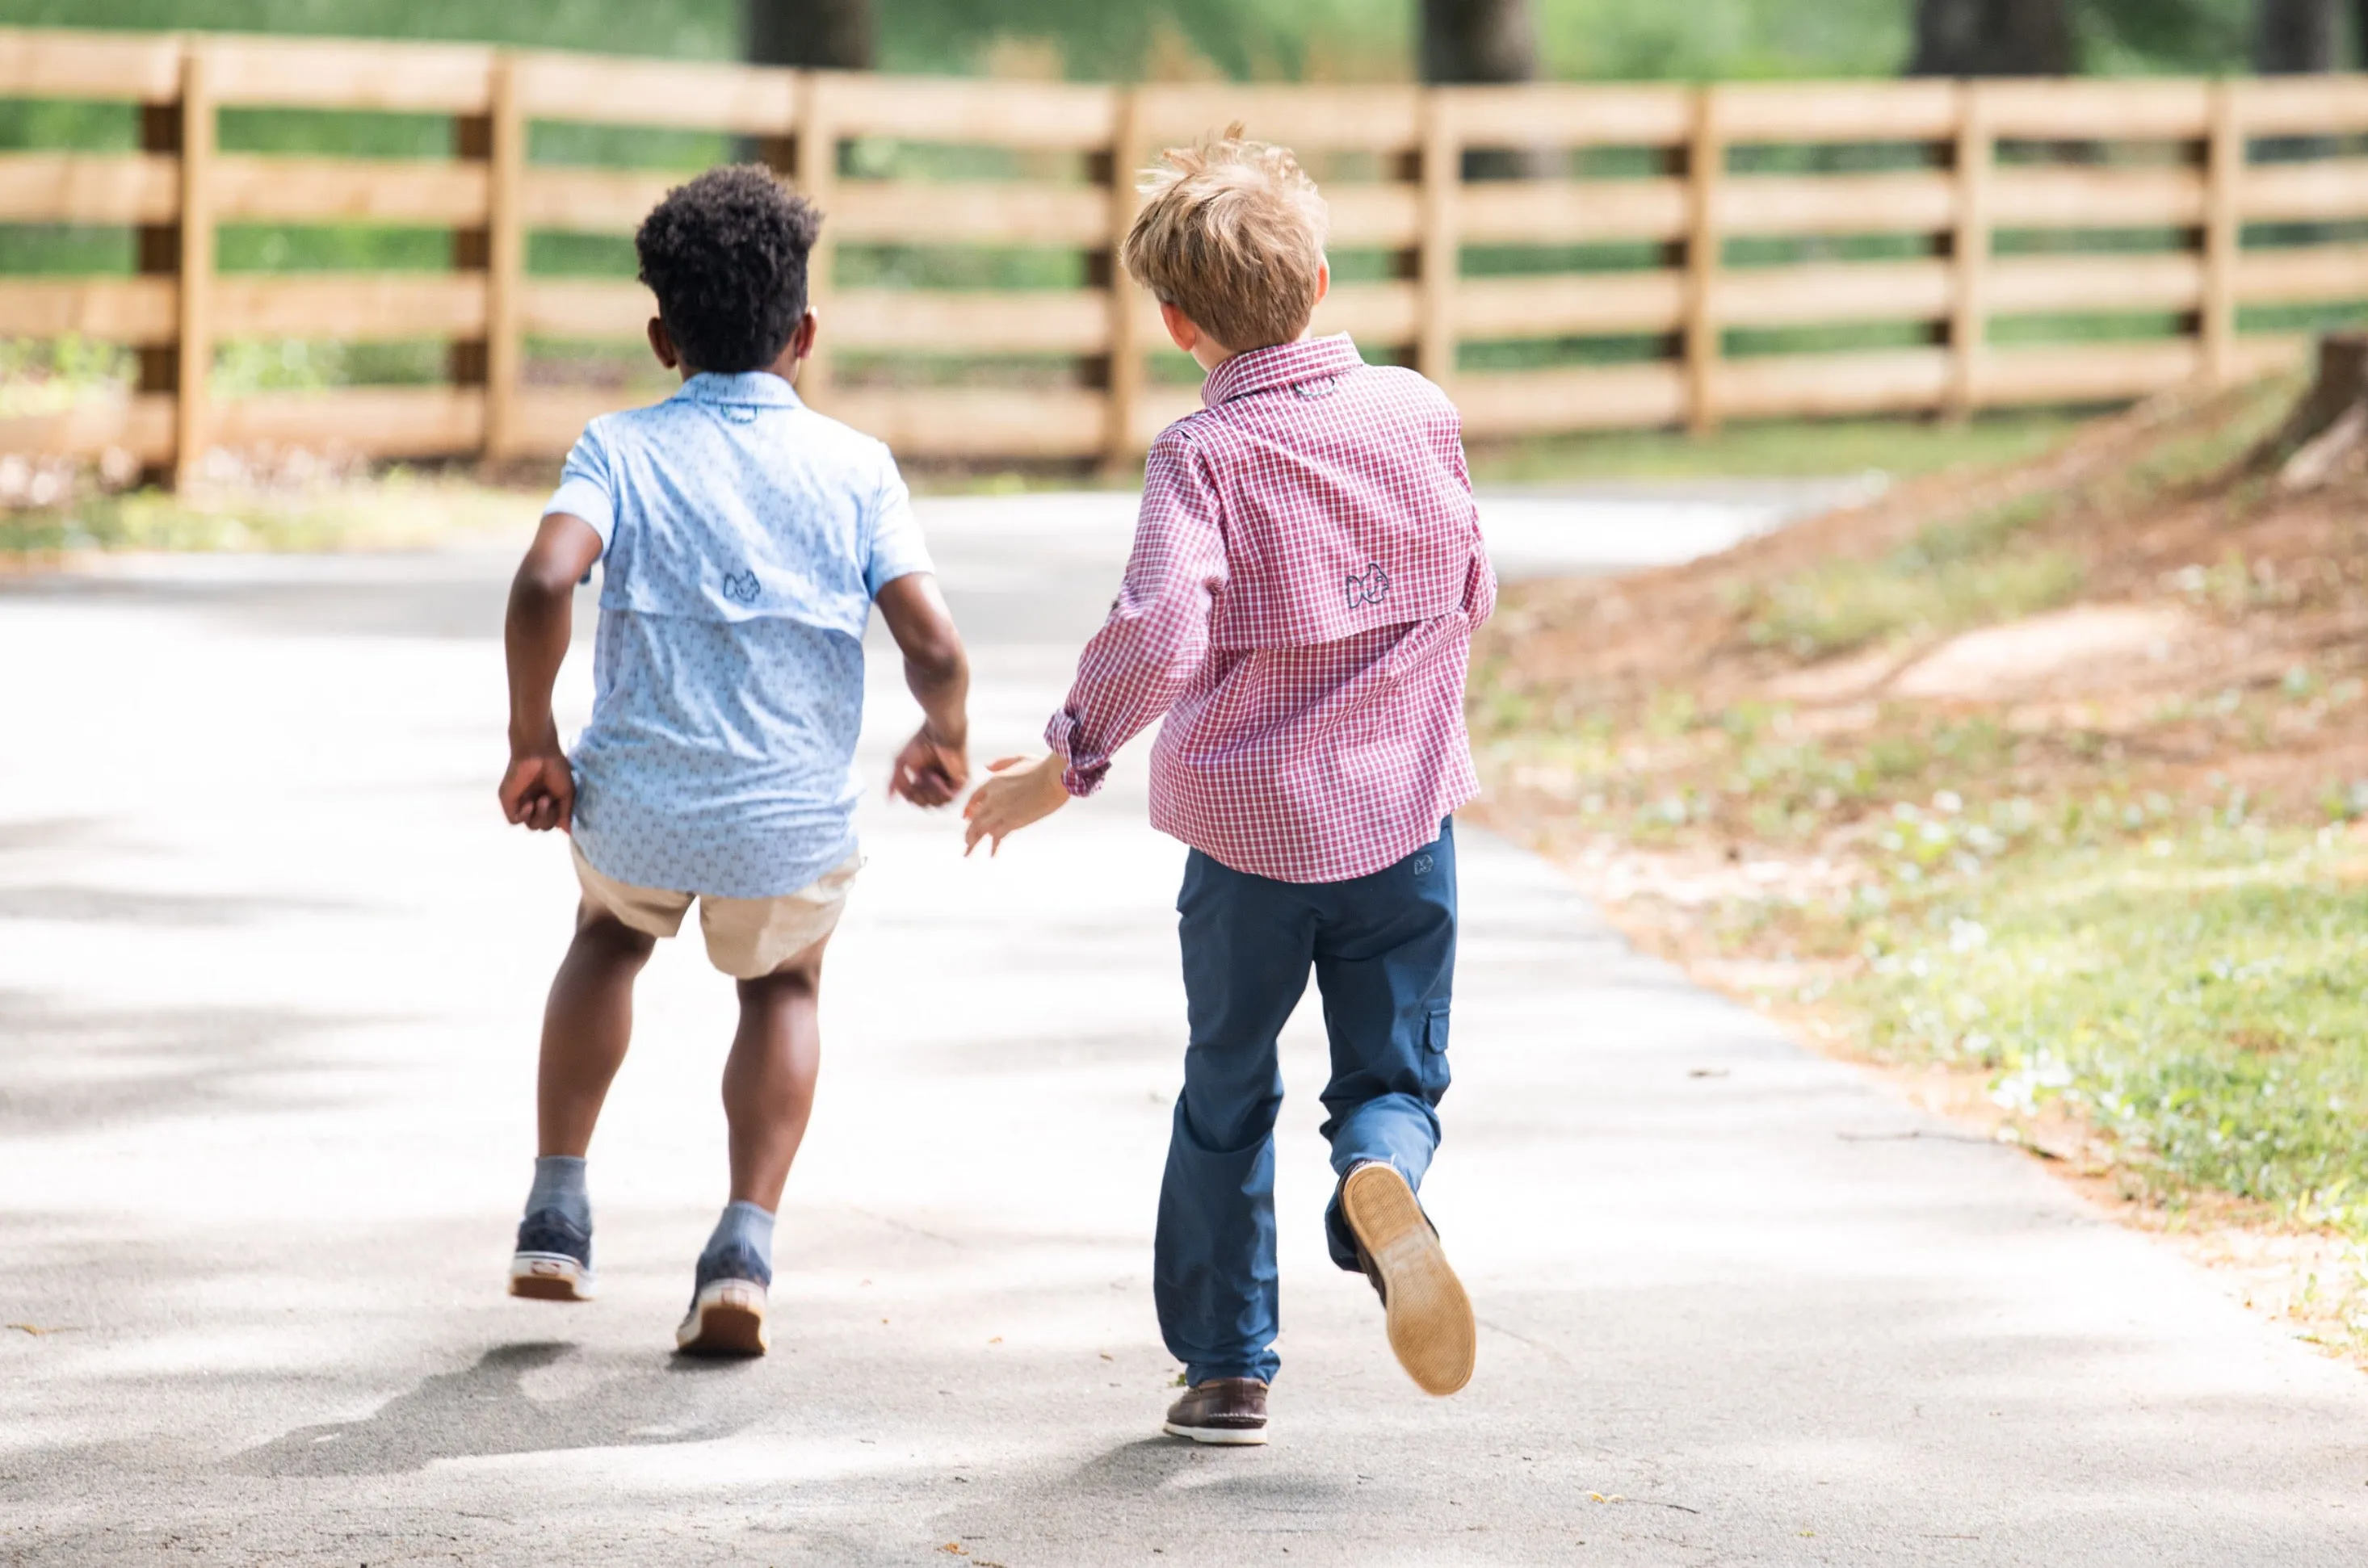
[
  {"x": 897, "y": 548},
  {"x": 584, "y": 487}
]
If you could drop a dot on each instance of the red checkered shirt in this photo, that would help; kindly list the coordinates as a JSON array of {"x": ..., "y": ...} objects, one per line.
[{"x": 1299, "y": 606}]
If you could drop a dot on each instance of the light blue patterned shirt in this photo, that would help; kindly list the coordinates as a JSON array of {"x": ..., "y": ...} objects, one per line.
[{"x": 742, "y": 538}]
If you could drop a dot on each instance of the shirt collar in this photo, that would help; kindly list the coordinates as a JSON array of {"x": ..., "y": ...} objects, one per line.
[
  {"x": 761, "y": 388},
  {"x": 1283, "y": 365}
]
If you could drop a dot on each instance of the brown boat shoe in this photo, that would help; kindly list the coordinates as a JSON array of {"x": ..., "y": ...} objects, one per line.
[
  {"x": 1431, "y": 1325},
  {"x": 1229, "y": 1411}
]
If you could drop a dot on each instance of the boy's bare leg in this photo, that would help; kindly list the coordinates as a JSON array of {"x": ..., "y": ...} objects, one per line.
[
  {"x": 769, "y": 1080},
  {"x": 587, "y": 1025},
  {"x": 768, "y": 1085}
]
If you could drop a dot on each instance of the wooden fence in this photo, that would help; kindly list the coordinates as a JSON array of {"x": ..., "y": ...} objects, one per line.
[{"x": 1660, "y": 255}]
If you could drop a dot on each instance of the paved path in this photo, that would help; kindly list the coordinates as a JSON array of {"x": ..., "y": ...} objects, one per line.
[{"x": 269, "y": 974}]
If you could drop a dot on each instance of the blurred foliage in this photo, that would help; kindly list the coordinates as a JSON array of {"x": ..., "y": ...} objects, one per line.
[{"x": 1245, "y": 39}]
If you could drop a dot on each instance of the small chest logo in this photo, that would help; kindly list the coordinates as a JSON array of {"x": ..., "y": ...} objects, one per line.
[
  {"x": 1371, "y": 589},
  {"x": 742, "y": 587}
]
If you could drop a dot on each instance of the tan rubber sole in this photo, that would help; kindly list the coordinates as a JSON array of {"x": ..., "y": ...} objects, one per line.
[
  {"x": 548, "y": 1280},
  {"x": 1430, "y": 1323},
  {"x": 728, "y": 1319}
]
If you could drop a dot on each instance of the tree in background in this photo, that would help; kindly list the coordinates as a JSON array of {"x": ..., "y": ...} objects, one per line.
[
  {"x": 836, "y": 34},
  {"x": 1479, "y": 41},
  {"x": 2295, "y": 36},
  {"x": 1992, "y": 38},
  {"x": 1482, "y": 40}
]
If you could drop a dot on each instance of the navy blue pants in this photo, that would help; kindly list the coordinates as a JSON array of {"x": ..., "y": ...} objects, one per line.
[{"x": 1382, "y": 950}]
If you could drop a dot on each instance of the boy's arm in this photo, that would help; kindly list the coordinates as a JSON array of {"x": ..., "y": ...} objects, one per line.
[
  {"x": 538, "y": 790},
  {"x": 1137, "y": 664},
  {"x": 1480, "y": 577},
  {"x": 935, "y": 764}
]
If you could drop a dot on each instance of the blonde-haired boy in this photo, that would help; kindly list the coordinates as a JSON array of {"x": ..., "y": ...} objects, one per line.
[{"x": 1307, "y": 575}]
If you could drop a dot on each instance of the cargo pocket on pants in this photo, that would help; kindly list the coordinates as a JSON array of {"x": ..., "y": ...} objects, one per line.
[{"x": 1435, "y": 1075}]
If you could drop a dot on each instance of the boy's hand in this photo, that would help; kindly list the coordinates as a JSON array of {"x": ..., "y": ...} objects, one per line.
[
  {"x": 539, "y": 789},
  {"x": 929, "y": 771},
  {"x": 1020, "y": 793}
]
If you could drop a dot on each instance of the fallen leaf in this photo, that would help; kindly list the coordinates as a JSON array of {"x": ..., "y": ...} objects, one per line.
[
  {"x": 34, "y": 1329},
  {"x": 955, "y": 1547},
  {"x": 996, "y": 1340}
]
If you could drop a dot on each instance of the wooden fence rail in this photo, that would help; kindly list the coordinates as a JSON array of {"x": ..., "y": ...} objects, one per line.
[{"x": 1662, "y": 255}]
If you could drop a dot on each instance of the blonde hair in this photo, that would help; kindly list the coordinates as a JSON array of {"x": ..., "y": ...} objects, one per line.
[{"x": 1230, "y": 234}]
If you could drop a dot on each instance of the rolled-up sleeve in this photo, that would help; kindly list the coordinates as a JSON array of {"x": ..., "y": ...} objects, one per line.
[
  {"x": 897, "y": 547},
  {"x": 585, "y": 489},
  {"x": 1158, "y": 632}
]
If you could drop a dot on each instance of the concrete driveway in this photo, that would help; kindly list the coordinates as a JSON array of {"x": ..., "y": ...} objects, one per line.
[{"x": 270, "y": 968}]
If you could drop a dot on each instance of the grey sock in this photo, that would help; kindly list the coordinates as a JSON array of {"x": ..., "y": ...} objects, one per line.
[
  {"x": 745, "y": 1224},
  {"x": 559, "y": 1184}
]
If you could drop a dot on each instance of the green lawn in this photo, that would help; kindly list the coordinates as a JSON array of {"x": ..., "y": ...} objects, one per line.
[
  {"x": 2197, "y": 988},
  {"x": 1776, "y": 449}
]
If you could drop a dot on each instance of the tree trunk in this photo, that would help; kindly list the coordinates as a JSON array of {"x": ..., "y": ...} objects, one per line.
[
  {"x": 1480, "y": 41},
  {"x": 2326, "y": 437},
  {"x": 826, "y": 34},
  {"x": 2294, "y": 36},
  {"x": 1992, "y": 38}
]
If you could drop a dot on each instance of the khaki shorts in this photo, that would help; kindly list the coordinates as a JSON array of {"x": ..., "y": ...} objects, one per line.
[{"x": 747, "y": 938}]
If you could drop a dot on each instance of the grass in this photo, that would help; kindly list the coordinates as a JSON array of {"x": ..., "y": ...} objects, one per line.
[
  {"x": 398, "y": 509},
  {"x": 1775, "y": 449},
  {"x": 2197, "y": 990},
  {"x": 1962, "y": 572}
]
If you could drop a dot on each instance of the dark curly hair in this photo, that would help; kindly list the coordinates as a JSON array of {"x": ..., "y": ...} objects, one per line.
[{"x": 726, "y": 257}]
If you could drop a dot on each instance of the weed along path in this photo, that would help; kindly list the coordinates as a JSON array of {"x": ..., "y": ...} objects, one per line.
[{"x": 270, "y": 968}]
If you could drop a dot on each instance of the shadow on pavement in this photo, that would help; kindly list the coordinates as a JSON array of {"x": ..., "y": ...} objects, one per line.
[
  {"x": 67, "y": 1069},
  {"x": 117, "y": 907},
  {"x": 484, "y": 1409}
]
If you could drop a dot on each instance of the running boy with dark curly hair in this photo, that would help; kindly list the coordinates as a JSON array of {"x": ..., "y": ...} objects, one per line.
[{"x": 744, "y": 539}]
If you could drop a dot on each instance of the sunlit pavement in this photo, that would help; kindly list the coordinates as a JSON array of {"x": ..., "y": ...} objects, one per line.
[{"x": 270, "y": 967}]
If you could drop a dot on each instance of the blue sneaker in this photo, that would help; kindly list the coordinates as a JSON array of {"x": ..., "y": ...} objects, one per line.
[
  {"x": 554, "y": 1262},
  {"x": 727, "y": 1305}
]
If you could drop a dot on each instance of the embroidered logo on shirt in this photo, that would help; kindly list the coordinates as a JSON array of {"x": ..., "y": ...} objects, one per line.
[
  {"x": 1371, "y": 589},
  {"x": 742, "y": 587},
  {"x": 1319, "y": 388}
]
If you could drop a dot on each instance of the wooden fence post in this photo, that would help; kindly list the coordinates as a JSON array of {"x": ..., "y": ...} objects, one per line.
[
  {"x": 466, "y": 358},
  {"x": 159, "y": 255},
  {"x": 1705, "y": 167},
  {"x": 1122, "y": 394},
  {"x": 2224, "y": 235},
  {"x": 194, "y": 348},
  {"x": 1976, "y": 156},
  {"x": 817, "y": 172},
  {"x": 1441, "y": 245},
  {"x": 505, "y": 259}
]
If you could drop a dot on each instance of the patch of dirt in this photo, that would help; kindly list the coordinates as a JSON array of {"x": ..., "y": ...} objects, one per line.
[{"x": 2086, "y": 648}]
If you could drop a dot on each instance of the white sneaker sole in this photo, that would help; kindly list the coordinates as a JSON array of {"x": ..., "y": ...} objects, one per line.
[
  {"x": 550, "y": 1277},
  {"x": 727, "y": 1319},
  {"x": 1430, "y": 1323},
  {"x": 1221, "y": 1436}
]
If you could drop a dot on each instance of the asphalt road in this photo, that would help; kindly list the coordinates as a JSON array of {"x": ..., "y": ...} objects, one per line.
[{"x": 270, "y": 967}]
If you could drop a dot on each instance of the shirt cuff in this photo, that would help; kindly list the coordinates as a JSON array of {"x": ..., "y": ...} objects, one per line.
[
  {"x": 1083, "y": 776},
  {"x": 581, "y": 498}
]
